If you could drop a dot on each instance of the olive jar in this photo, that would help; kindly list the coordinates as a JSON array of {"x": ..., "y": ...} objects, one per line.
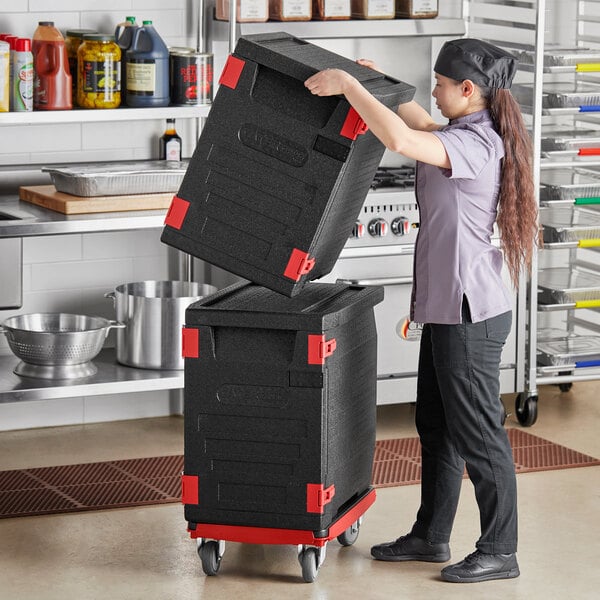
[
  {"x": 99, "y": 72},
  {"x": 74, "y": 39}
]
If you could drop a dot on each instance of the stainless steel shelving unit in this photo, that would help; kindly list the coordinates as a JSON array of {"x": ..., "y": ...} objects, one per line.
[
  {"x": 18, "y": 219},
  {"x": 529, "y": 24}
]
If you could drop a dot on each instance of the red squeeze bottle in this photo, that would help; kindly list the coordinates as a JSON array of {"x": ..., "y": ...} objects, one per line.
[{"x": 52, "y": 85}]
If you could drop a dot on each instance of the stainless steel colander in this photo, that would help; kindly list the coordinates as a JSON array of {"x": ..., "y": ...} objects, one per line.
[{"x": 56, "y": 338}]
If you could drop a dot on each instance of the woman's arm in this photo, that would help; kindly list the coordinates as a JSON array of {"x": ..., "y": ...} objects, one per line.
[
  {"x": 416, "y": 117},
  {"x": 391, "y": 128}
]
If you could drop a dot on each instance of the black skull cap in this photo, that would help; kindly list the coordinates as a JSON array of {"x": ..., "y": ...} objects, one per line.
[{"x": 481, "y": 62}]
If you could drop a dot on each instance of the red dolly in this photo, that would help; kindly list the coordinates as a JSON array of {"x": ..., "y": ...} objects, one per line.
[{"x": 311, "y": 545}]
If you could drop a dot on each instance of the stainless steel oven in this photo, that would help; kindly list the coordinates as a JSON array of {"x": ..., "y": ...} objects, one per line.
[{"x": 380, "y": 252}]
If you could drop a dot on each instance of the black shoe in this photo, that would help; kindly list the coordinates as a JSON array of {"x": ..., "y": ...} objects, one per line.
[
  {"x": 410, "y": 547},
  {"x": 482, "y": 567}
]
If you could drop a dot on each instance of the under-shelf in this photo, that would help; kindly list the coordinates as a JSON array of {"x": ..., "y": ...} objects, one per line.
[
  {"x": 79, "y": 115},
  {"x": 111, "y": 378},
  {"x": 351, "y": 28}
]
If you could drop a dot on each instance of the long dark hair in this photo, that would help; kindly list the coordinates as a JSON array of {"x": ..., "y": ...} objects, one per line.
[{"x": 517, "y": 207}]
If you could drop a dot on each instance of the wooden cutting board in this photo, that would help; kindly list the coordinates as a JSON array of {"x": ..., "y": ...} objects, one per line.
[{"x": 48, "y": 197}]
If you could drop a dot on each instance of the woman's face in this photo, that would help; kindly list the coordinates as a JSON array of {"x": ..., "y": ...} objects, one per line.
[{"x": 449, "y": 96}]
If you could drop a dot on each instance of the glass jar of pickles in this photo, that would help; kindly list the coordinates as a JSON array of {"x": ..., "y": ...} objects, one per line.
[
  {"x": 98, "y": 72},
  {"x": 74, "y": 39}
]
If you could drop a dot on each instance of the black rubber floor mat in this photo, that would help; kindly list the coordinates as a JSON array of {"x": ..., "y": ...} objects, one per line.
[{"x": 146, "y": 481}]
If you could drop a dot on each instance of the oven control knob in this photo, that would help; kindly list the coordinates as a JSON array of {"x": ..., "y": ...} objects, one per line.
[
  {"x": 358, "y": 230},
  {"x": 378, "y": 227},
  {"x": 401, "y": 226}
]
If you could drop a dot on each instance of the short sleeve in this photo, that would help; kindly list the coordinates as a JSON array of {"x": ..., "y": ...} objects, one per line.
[{"x": 469, "y": 149}]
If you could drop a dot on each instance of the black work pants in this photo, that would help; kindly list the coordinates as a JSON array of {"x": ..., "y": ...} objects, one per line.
[{"x": 459, "y": 417}]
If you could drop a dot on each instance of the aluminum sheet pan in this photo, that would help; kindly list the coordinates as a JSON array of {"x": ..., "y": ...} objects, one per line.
[
  {"x": 570, "y": 139},
  {"x": 569, "y": 224},
  {"x": 562, "y": 285},
  {"x": 560, "y": 95},
  {"x": 555, "y": 56},
  {"x": 569, "y": 350},
  {"x": 117, "y": 179},
  {"x": 547, "y": 334},
  {"x": 567, "y": 184}
]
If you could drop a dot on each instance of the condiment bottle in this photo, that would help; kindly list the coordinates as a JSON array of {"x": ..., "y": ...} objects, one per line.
[
  {"x": 4, "y": 76},
  {"x": 147, "y": 68},
  {"x": 124, "y": 37},
  {"x": 74, "y": 39},
  {"x": 99, "y": 72},
  {"x": 170, "y": 143},
  {"x": 416, "y": 9},
  {"x": 22, "y": 76},
  {"x": 52, "y": 83}
]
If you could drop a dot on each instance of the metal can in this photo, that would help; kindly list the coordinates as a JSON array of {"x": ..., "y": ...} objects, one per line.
[{"x": 190, "y": 77}]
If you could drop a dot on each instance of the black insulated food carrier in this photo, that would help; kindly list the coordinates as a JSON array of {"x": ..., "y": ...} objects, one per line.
[
  {"x": 280, "y": 400},
  {"x": 279, "y": 176}
]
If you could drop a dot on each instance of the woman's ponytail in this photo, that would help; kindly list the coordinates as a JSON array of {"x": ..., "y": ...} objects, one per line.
[{"x": 517, "y": 207}]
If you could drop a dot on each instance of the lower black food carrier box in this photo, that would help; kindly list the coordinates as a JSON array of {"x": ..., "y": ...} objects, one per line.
[
  {"x": 280, "y": 401},
  {"x": 279, "y": 175}
]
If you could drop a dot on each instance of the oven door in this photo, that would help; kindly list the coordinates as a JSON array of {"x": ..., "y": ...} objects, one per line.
[{"x": 398, "y": 355}]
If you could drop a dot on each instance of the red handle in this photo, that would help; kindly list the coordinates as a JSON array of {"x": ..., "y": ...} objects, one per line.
[{"x": 589, "y": 152}]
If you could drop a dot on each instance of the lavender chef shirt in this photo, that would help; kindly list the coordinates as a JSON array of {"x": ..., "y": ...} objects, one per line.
[{"x": 454, "y": 254}]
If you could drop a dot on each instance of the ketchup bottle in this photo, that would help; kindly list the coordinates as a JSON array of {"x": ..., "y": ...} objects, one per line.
[{"x": 52, "y": 88}]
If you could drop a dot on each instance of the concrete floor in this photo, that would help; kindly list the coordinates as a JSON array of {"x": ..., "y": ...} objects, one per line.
[{"x": 145, "y": 553}]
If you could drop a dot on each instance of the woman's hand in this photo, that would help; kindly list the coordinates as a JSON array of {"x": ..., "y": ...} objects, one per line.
[
  {"x": 329, "y": 82},
  {"x": 365, "y": 62}
]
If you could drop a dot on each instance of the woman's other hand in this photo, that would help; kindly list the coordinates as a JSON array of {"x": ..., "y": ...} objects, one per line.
[
  {"x": 366, "y": 62},
  {"x": 329, "y": 82}
]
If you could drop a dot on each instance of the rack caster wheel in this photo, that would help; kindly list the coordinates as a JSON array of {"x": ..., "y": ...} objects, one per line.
[
  {"x": 210, "y": 553},
  {"x": 348, "y": 537},
  {"x": 565, "y": 387},
  {"x": 310, "y": 559},
  {"x": 526, "y": 409}
]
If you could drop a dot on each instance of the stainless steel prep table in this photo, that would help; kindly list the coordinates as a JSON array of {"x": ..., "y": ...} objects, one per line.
[{"x": 21, "y": 219}]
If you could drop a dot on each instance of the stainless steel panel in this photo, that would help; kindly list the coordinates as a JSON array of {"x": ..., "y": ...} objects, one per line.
[{"x": 11, "y": 273}]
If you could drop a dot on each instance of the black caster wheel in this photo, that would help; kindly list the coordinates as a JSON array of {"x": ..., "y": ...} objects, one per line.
[
  {"x": 526, "y": 409},
  {"x": 565, "y": 387},
  {"x": 210, "y": 557},
  {"x": 348, "y": 537}
]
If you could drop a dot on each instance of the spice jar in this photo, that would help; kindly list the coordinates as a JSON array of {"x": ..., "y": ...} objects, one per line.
[
  {"x": 98, "y": 72},
  {"x": 74, "y": 39}
]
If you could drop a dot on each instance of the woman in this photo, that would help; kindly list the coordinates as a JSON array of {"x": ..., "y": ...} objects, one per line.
[{"x": 470, "y": 173}]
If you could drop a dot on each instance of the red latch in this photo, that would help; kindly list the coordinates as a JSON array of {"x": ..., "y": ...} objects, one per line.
[
  {"x": 176, "y": 213},
  {"x": 317, "y": 497},
  {"x": 231, "y": 72},
  {"x": 190, "y": 342},
  {"x": 353, "y": 125},
  {"x": 319, "y": 349},
  {"x": 189, "y": 489},
  {"x": 299, "y": 264}
]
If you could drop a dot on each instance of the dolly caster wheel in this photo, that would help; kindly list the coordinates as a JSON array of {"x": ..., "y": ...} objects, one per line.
[
  {"x": 211, "y": 553},
  {"x": 310, "y": 559},
  {"x": 526, "y": 409},
  {"x": 348, "y": 537}
]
